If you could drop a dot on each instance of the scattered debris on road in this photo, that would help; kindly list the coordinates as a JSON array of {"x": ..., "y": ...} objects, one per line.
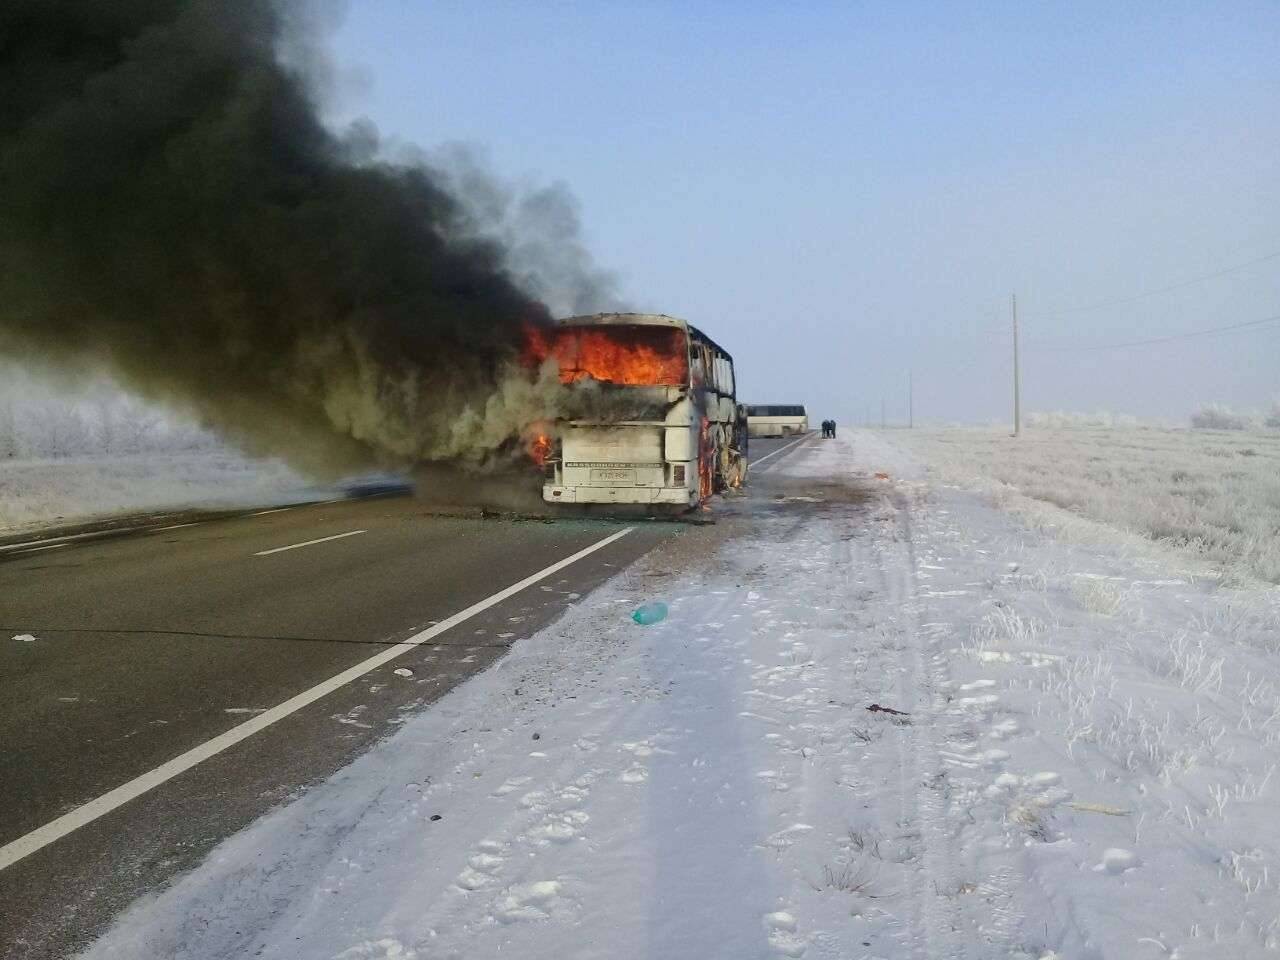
[{"x": 876, "y": 708}]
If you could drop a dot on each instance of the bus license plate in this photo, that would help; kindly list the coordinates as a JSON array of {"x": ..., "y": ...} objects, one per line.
[{"x": 614, "y": 476}]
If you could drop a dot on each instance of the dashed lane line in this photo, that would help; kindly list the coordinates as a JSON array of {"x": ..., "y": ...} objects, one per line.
[
  {"x": 69, "y": 822},
  {"x": 308, "y": 543},
  {"x": 68, "y": 537}
]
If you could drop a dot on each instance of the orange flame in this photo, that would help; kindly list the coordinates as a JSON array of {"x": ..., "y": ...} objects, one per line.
[
  {"x": 630, "y": 356},
  {"x": 540, "y": 449},
  {"x": 706, "y": 462}
]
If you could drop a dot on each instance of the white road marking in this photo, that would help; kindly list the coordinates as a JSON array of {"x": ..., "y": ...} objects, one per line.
[
  {"x": 69, "y": 536},
  {"x": 263, "y": 513},
  {"x": 50, "y": 546},
  {"x": 756, "y": 463},
  {"x": 56, "y": 829},
  {"x": 307, "y": 543},
  {"x": 176, "y": 526}
]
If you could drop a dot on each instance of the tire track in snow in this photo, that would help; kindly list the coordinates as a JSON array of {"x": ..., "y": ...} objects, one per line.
[
  {"x": 934, "y": 917},
  {"x": 939, "y": 729}
]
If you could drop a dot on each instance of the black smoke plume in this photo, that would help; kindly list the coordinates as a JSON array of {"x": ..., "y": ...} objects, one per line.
[{"x": 173, "y": 213}]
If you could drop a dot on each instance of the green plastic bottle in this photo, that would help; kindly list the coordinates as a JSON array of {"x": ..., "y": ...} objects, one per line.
[{"x": 650, "y": 613}]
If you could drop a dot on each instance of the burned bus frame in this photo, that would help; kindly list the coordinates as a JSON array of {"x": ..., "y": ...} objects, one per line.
[{"x": 693, "y": 445}]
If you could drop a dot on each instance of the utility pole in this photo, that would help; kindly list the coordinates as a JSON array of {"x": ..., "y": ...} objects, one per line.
[
  {"x": 1017, "y": 376},
  {"x": 911, "y": 402}
]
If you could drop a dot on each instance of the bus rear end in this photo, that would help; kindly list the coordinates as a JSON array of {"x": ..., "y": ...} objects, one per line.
[
  {"x": 777, "y": 420},
  {"x": 640, "y": 463},
  {"x": 633, "y": 433}
]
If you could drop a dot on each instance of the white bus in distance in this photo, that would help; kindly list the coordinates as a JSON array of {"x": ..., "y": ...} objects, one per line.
[
  {"x": 777, "y": 420},
  {"x": 652, "y": 416}
]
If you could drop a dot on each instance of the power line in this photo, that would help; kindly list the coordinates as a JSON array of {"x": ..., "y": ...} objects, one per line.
[
  {"x": 1177, "y": 336},
  {"x": 1120, "y": 301}
]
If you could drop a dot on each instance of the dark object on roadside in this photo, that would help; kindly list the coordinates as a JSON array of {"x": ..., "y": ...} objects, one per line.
[
  {"x": 828, "y": 429},
  {"x": 537, "y": 736},
  {"x": 377, "y": 485},
  {"x": 436, "y": 816},
  {"x": 876, "y": 708}
]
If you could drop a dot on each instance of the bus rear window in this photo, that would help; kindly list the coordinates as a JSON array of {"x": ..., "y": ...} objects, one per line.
[{"x": 624, "y": 355}]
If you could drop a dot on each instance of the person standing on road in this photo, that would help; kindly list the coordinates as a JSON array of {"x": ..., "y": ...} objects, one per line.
[{"x": 832, "y": 424}]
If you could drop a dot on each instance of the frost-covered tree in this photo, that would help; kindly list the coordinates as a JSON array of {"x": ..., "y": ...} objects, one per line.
[
  {"x": 62, "y": 431},
  {"x": 1216, "y": 416}
]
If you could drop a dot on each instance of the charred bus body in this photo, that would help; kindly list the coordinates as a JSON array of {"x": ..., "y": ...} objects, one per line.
[{"x": 652, "y": 418}]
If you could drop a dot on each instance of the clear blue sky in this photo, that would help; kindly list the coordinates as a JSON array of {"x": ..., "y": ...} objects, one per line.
[{"x": 839, "y": 192}]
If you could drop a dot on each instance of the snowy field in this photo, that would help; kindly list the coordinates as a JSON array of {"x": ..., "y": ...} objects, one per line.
[
  {"x": 1215, "y": 494},
  {"x": 1073, "y": 754},
  {"x": 77, "y": 452},
  {"x": 38, "y": 492}
]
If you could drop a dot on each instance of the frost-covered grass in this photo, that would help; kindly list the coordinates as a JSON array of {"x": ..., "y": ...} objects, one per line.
[
  {"x": 43, "y": 491},
  {"x": 1212, "y": 493}
]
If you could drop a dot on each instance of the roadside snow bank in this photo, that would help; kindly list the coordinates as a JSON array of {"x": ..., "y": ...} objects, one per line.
[
  {"x": 880, "y": 721},
  {"x": 34, "y": 492}
]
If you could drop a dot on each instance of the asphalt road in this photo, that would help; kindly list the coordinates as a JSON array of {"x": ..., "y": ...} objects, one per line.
[{"x": 150, "y": 644}]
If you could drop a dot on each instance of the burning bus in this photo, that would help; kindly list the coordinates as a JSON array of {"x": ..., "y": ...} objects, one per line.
[{"x": 649, "y": 418}]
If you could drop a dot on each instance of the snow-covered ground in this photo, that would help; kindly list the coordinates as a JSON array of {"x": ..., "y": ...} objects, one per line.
[
  {"x": 1076, "y": 760},
  {"x": 1211, "y": 494},
  {"x": 42, "y": 491},
  {"x": 84, "y": 450}
]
